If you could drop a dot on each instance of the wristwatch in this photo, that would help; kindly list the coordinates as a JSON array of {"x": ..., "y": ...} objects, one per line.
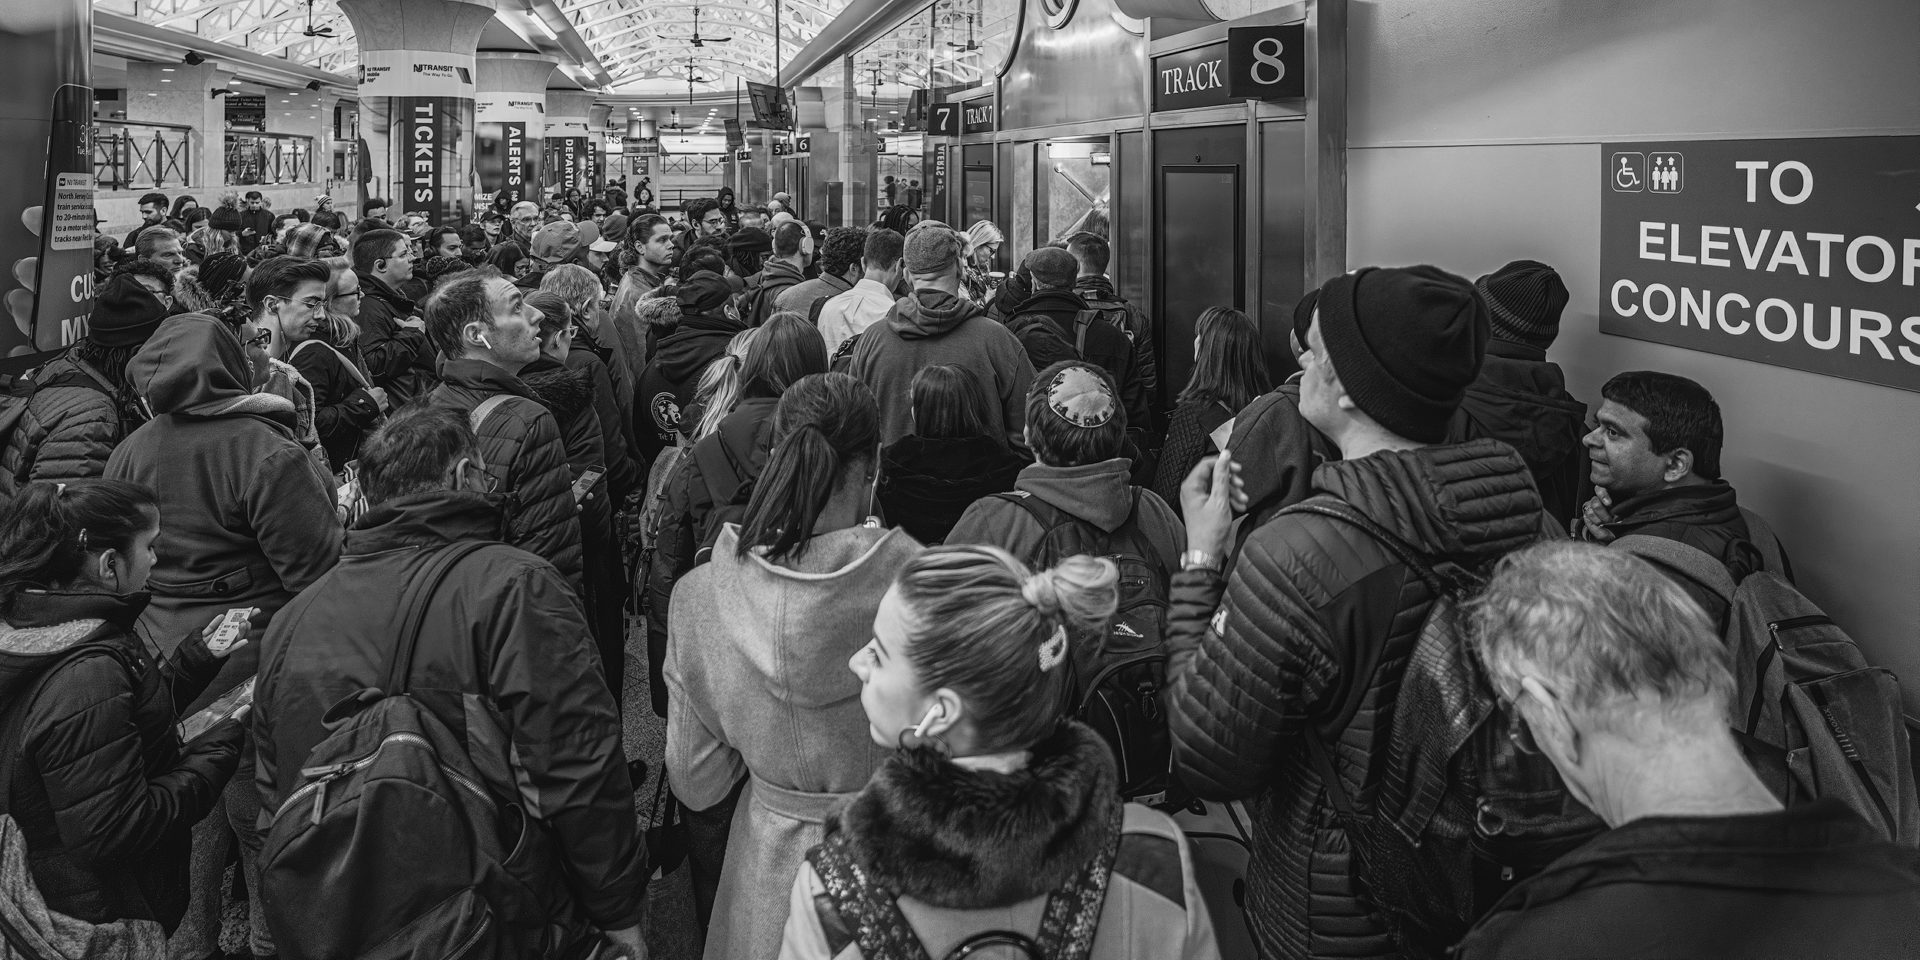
[{"x": 1201, "y": 560}]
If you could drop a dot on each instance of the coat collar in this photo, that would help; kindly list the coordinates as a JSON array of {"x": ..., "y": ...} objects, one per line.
[
  {"x": 972, "y": 839},
  {"x": 427, "y": 519},
  {"x": 482, "y": 376},
  {"x": 1696, "y": 503}
]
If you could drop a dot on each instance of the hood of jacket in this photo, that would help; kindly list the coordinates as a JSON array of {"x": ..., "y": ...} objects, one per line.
[
  {"x": 1521, "y": 398},
  {"x": 780, "y": 274},
  {"x": 44, "y": 624},
  {"x": 1095, "y": 288},
  {"x": 1061, "y": 303},
  {"x": 693, "y": 344},
  {"x": 434, "y": 517},
  {"x": 1700, "y": 504},
  {"x": 930, "y": 313},
  {"x": 1468, "y": 500},
  {"x": 564, "y": 392},
  {"x": 1099, "y": 493},
  {"x": 482, "y": 376},
  {"x": 195, "y": 365},
  {"x": 966, "y": 839}
]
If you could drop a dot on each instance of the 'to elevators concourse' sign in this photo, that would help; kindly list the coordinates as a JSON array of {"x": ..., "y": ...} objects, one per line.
[{"x": 1796, "y": 253}]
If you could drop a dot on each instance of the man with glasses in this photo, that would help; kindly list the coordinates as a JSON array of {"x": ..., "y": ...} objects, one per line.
[
  {"x": 522, "y": 220},
  {"x": 708, "y": 220},
  {"x": 1620, "y": 679},
  {"x": 346, "y": 404},
  {"x": 1302, "y": 653},
  {"x": 393, "y": 344}
]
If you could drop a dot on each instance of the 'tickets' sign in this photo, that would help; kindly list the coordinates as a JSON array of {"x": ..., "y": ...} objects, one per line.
[
  {"x": 1797, "y": 253},
  {"x": 419, "y": 119},
  {"x": 513, "y": 156}
]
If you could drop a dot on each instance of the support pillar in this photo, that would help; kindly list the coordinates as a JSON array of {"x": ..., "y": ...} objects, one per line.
[
  {"x": 512, "y": 125},
  {"x": 598, "y": 117},
  {"x": 570, "y": 143},
  {"x": 417, "y": 100}
]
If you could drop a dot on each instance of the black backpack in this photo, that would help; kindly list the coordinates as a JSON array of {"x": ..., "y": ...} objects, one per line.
[
  {"x": 395, "y": 844},
  {"x": 1044, "y": 342},
  {"x": 1118, "y": 676},
  {"x": 1457, "y": 813}
]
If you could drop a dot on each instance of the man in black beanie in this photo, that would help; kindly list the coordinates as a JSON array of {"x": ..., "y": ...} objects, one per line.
[
  {"x": 1521, "y": 397},
  {"x": 81, "y": 406},
  {"x": 1305, "y": 649}
]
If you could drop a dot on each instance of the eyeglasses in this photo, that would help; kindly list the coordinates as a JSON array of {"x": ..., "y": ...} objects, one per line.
[
  {"x": 260, "y": 339},
  {"x": 344, "y": 294},
  {"x": 714, "y": 221},
  {"x": 312, "y": 303}
]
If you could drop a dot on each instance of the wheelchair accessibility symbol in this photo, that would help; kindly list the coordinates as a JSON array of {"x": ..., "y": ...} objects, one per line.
[{"x": 1629, "y": 172}]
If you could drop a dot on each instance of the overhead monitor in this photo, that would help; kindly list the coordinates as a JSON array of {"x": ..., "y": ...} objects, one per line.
[
  {"x": 736, "y": 139},
  {"x": 771, "y": 108}
]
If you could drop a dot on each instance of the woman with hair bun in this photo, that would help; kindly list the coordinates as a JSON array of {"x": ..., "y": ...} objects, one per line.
[
  {"x": 757, "y": 639},
  {"x": 997, "y": 820},
  {"x": 100, "y": 784}
]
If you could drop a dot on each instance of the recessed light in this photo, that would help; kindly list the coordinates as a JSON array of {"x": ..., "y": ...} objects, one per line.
[
  {"x": 166, "y": 69},
  {"x": 165, "y": 80}
]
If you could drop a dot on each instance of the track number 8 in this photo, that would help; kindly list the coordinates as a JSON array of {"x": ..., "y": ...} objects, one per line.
[{"x": 1266, "y": 60}]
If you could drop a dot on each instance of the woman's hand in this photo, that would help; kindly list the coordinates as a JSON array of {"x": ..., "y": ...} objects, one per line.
[
  {"x": 1212, "y": 493},
  {"x": 221, "y": 643}
]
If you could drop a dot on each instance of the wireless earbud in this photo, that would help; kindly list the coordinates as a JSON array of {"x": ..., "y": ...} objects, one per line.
[{"x": 933, "y": 713}]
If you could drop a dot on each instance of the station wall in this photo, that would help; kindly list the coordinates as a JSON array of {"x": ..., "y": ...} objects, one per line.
[{"x": 1476, "y": 131}]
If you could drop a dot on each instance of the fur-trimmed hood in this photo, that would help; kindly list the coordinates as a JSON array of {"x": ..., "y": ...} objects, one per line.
[
  {"x": 566, "y": 393},
  {"x": 976, "y": 839}
]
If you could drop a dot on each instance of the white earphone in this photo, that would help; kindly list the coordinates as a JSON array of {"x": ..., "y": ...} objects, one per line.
[{"x": 933, "y": 713}]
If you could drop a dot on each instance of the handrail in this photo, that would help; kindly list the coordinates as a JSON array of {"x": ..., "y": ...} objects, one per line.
[
  {"x": 253, "y": 157},
  {"x": 137, "y": 155}
]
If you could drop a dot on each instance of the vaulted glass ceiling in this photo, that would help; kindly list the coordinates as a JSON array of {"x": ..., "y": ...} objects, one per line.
[{"x": 651, "y": 40}]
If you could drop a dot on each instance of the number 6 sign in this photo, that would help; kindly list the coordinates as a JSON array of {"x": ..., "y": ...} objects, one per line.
[{"x": 1267, "y": 63}]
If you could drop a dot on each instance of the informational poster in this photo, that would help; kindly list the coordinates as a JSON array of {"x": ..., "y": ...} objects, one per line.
[
  {"x": 46, "y": 203},
  {"x": 571, "y": 153},
  {"x": 513, "y": 161},
  {"x": 415, "y": 73},
  {"x": 1797, "y": 253},
  {"x": 420, "y": 129}
]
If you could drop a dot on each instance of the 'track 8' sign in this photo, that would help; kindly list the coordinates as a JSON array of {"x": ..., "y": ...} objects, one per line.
[{"x": 1796, "y": 253}]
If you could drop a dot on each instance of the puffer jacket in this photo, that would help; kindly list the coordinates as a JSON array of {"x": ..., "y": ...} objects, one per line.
[
  {"x": 1521, "y": 399},
  {"x": 927, "y": 484},
  {"x": 963, "y": 851},
  {"x": 68, "y": 430},
  {"x": 104, "y": 791},
  {"x": 249, "y": 520},
  {"x": 710, "y": 487},
  {"x": 400, "y": 359},
  {"x": 623, "y": 475},
  {"x": 502, "y": 634},
  {"x": 526, "y": 453},
  {"x": 1252, "y": 676}
]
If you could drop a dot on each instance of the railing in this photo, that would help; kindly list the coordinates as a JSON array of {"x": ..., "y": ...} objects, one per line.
[
  {"x": 257, "y": 158},
  {"x": 141, "y": 156},
  {"x": 696, "y": 163}
]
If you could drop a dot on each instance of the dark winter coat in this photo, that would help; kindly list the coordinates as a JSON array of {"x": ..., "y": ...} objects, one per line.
[
  {"x": 68, "y": 430},
  {"x": 1100, "y": 295},
  {"x": 1189, "y": 440},
  {"x": 673, "y": 376},
  {"x": 927, "y": 484},
  {"x": 1704, "y": 516},
  {"x": 965, "y": 851},
  {"x": 1278, "y": 452},
  {"x": 343, "y": 411},
  {"x": 1252, "y": 676},
  {"x": 710, "y": 487},
  {"x": 1521, "y": 399},
  {"x": 1101, "y": 493},
  {"x": 776, "y": 278},
  {"x": 104, "y": 791},
  {"x": 256, "y": 228},
  {"x": 933, "y": 326},
  {"x": 1811, "y": 881},
  {"x": 399, "y": 359},
  {"x": 502, "y": 634},
  {"x": 526, "y": 453},
  {"x": 1105, "y": 345},
  {"x": 623, "y": 474},
  {"x": 247, "y": 516}
]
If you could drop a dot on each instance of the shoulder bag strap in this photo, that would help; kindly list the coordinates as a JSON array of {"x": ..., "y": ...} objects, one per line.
[
  {"x": 871, "y": 916},
  {"x": 1082, "y": 322},
  {"x": 414, "y": 615},
  {"x": 1071, "y": 916},
  {"x": 478, "y": 417}
]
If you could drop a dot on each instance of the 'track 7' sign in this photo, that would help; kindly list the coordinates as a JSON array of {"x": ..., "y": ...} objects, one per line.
[
  {"x": 420, "y": 121},
  {"x": 1795, "y": 253}
]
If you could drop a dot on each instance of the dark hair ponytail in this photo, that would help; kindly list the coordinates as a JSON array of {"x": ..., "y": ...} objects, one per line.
[
  {"x": 824, "y": 423},
  {"x": 41, "y": 531}
]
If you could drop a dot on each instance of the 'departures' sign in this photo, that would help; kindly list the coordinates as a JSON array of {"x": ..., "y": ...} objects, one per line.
[{"x": 1796, "y": 253}]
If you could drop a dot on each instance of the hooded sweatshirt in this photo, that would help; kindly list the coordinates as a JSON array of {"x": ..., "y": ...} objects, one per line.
[
  {"x": 934, "y": 326},
  {"x": 1521, "y": 398},
  {"x": 673, "y": 375},
  {"x": 246, "y": 520},
  {"x": 1100, "y": 494}
]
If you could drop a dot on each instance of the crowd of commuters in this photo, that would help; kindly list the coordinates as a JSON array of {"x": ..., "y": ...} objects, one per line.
[{"x": 956, "y": 615}]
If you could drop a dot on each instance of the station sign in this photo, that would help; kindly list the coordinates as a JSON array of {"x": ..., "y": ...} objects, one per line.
[
  {"x": 1253, "y": 63},
  {"x": 976, "y": 116},
  {"x": 640, "y": 146},
  {"x": 415, "y": 73},
  {"x": 943, "y": 119},
  {"x": 418, "y": 120},
  {"x": 513, "y": 154},
  {"x": 1799, "y": 253}
]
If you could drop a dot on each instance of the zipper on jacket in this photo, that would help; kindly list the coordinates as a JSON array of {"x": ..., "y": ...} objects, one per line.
[{"x": 318, "y": 777}]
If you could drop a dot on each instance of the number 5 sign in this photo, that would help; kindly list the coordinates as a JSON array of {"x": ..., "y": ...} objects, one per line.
[{"x": 1267, "y": 63}]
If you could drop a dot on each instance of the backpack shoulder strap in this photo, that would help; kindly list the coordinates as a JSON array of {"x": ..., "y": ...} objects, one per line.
[
  {"x": 414, "y": 609},
  {"x": 99, "y": 380},
  {"x": 1690, "y": 562},
  {"x": 813, "y": 312},
  {"x": 1761, "y": 535},
  {"x": 1047, "y": 515},
  {"x": 478, "y": 417}
]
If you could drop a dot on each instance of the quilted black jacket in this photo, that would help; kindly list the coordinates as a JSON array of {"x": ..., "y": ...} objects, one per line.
[
  {"x": 69, "y": 429},
  {"x": 104, "y": 791},
  {"x": 526, "y": 452},
  {"x": 1251, "y": 677},
  {"x": 400, "y": 359}
]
